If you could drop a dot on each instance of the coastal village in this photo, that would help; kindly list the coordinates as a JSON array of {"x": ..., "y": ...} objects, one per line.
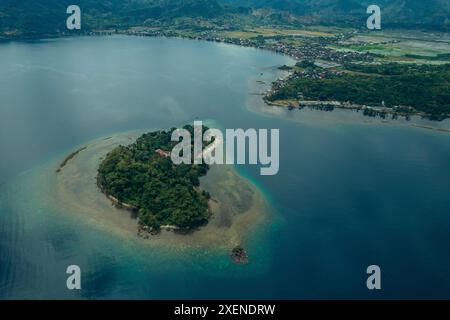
[
  {"x": 312, "y": 49},
  {"x": 318, "y": 48}
]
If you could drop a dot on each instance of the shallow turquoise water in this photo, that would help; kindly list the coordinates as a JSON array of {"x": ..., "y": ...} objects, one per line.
[{"x": 348, "y": 194}]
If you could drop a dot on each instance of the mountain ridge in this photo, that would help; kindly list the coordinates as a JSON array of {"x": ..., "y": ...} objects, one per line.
[
  {"x": 42, "y": 17},
  {"x": 434, "y": 14}
]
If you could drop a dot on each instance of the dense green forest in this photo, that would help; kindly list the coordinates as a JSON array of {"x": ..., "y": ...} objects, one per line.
[
  {"x": 38, "y": 18},
  {"x": 429, "y": 14},
  {"x": 164, "y": 193},
  {"x": 426, "y": 88}
]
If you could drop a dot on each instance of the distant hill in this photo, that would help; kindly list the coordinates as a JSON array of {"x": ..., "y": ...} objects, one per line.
[
  {"x": 42, "y": 17},
  {"x": 434, "y": 14},
  {"x": 34, "y": 17}
]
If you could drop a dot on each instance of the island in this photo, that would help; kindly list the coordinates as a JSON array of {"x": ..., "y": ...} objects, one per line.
[
  {"x": 141, "y": 177},
  {"x": 127, "y": 186}
]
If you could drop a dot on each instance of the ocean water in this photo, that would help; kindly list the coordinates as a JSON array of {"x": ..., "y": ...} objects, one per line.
[{"x": 351, "y": 191}]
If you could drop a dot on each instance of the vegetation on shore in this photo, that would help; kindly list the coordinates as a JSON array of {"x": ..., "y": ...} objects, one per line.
[
  {"x": 406, "y": 88},
  {"x": 48, "y": 17},
  {"x": 143, "y": 176}
]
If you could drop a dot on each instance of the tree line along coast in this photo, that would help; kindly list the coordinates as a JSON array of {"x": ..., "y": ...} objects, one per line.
[{"x": 381, "y": 90}]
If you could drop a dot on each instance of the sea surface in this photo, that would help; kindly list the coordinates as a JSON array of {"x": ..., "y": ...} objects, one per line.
[{"x": 351, "y": 191}]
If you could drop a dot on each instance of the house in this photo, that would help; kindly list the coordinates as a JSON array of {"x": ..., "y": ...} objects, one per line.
[{"x": 162, "y": 153}]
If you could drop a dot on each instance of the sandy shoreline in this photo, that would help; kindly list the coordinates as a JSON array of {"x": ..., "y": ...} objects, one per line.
[{"x": 238, "y": 208}]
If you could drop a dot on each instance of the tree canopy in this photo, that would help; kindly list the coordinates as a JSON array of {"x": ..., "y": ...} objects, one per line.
[
  {"x": 426, "y": 88},
  {"x": 163, "y": 193}
]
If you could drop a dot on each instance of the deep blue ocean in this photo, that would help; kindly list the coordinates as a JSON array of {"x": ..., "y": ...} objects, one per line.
[{"x": 351, "y": 192}]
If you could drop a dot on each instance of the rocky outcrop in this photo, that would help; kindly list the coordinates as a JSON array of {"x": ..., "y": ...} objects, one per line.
[{"x": 239, "y": 255}]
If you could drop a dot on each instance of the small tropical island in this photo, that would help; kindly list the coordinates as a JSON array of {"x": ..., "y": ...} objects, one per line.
[
  {"x": 142, "y": 178},
  {"x": 127, "y": 185}
]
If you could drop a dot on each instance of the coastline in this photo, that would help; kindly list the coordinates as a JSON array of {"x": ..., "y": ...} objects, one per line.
[
  {"x": 93, "y": 34},
  {"x": 329, "y": 105},
  {"x": 256, "y": 102},
  {"x": 368, "y": 111},
  {"x": 377, "y": 113},
  {"x": 47, "y": 234},
  {"x": 238, "y": 205}
]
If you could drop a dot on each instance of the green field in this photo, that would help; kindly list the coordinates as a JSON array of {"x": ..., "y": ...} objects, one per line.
[{"x": 402, "y": 47}]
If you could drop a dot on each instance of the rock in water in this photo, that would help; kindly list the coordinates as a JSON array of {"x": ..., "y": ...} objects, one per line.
[{"x": 239, "y": 255}]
